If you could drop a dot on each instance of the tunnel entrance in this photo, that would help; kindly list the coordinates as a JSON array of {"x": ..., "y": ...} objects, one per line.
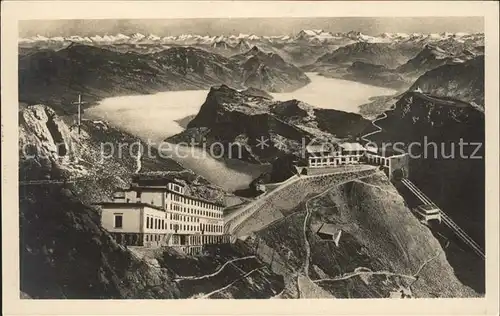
[{"x": 57, "y": 137}]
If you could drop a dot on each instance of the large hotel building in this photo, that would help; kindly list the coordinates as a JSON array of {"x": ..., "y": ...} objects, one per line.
[{"x": 157, "y": 212}]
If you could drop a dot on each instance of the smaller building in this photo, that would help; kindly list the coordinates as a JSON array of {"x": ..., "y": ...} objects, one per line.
[
  {"x": 330, "y": 232},
  {"x": 328, "y": 154},
  {"x": 322, "y": 155},
  {"x": 391, "y": 161},
  {"x": 427, "y": 213},
  {"x": 135, "y": 224}
]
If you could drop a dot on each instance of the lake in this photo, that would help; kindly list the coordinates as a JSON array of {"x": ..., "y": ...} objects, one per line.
[
  {"x": 153, "y": 118},
  {"x": 332, "y": 93}
]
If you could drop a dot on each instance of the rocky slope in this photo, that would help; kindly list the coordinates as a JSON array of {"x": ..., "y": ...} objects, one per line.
[
  {"x": 239, "y": 120},
  {"x": 452, "y": 176},
  {"x": 442, "y": 118},
  {"x": 395, "y": 64},
  {"x": 448, "y": 136},
  {"x": 429, "y": 58},
  {"x": 460, "y": 81},
  {"x": 383, "y": 250},
  {"x": 268, "y": 71},
  {"x": 374, "y": 53},
  {"x": 463, "y": 81}
]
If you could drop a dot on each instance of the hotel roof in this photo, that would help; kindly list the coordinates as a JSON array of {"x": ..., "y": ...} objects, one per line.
[
  {"x": 320, "y": 148},
  {"x": 118, "y": 204},
  {"x": 428, "y": 207},
  {"x": 164, "y": 188}
]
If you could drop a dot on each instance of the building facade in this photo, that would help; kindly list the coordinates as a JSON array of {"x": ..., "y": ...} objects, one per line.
[
  {"x": 395, "y": 164},
  {"x": 162, "y": 214},
  {"x": 328, "y": 155}
]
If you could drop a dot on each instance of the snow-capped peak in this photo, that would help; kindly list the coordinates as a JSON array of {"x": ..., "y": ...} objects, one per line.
[
  {"x": 241, "y": 35},
  {"x": 121, "y": 36},
  {"x": 153, "y": 37},
  {"x": 41, "y": 38},
  {"x": 96, "y": 38},
  {"x": 253, "y": 37},
  {"x": 138, "y": 36}
]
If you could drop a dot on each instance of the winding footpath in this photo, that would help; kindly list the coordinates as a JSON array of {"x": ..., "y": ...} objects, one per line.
[
  {"x": 180, "y": 278},
  {"x": 307, "y": 246},
  {"x": 230, "y": 284}
]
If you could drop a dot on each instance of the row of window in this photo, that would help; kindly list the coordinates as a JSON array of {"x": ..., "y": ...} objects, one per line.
[
  {"x": 379, "y": 160},
  {"x": 159, "y": 223},
  {"x": 209, "y": 228},
  {"x": 178, "y": 217},
  {"x": 176, "y": 207},
  {"x": 331, "y": 160},
  {"x": 189, "y": 201},
  {"x": 322, "y": 160},
  {"x": 191, "y": 228},
  {"x": 153, "y": 237}
]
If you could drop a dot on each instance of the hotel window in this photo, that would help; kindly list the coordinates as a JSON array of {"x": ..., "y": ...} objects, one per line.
[
  {"x": 147, "y": 222},
  {"x": 118, "y": 221}
]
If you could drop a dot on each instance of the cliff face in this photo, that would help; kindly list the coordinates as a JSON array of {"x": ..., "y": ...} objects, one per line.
[
  {"x": 232, "y": 117},
  {"x": 383, "y": 250}
]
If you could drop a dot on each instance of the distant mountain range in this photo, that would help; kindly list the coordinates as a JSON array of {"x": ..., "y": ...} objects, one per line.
[
  {"x": 394, "y": 65},
  {"x": 57, "y": 76},
  {"x": 303, "y": 48},
  {"x": 317, "y": 36}
]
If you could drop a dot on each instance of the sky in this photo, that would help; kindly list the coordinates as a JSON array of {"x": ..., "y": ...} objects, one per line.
[{"x": 258, "y": 26}]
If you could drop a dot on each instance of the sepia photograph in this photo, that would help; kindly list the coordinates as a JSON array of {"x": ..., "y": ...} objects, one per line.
[{"x": 253, "y": 157}]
